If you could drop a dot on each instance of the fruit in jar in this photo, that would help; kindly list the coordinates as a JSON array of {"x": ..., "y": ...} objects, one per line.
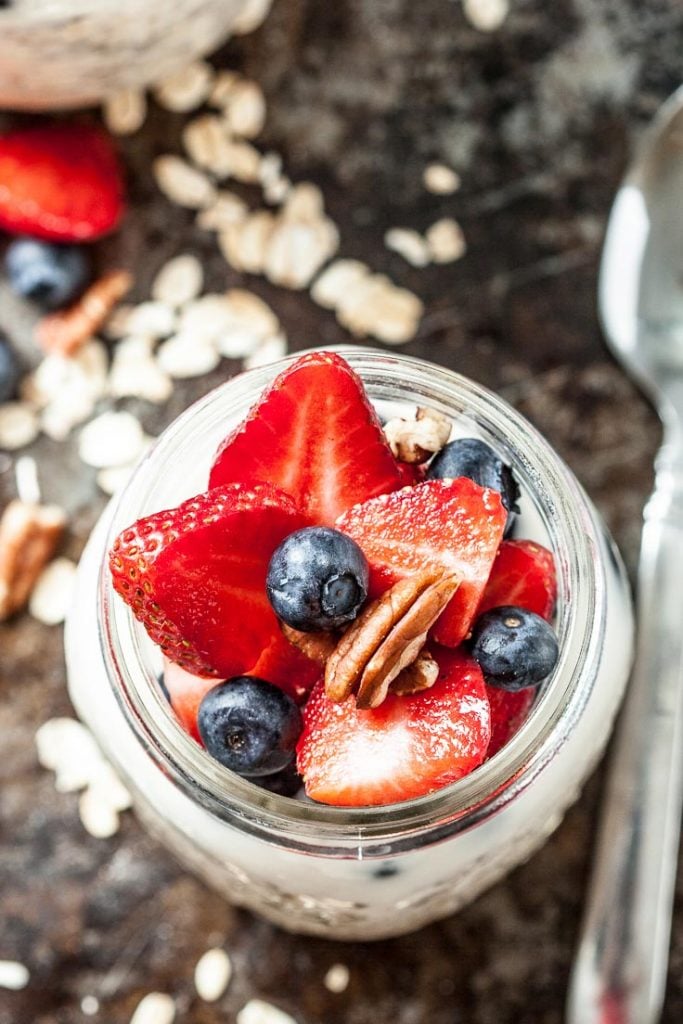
[
  {"x": 46, "y": 273},
  {"x": 473, "y": 458},
  {"x": 523, "y": 574},
  {"x": 314, "y": 435},
  {"x": 317, "y": 579},
  {"x": 514, "y": 648},
  {"x": 249, "y": 726}
]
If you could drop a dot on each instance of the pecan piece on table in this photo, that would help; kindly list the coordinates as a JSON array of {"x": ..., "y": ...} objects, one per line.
[{"x": 29, "y": 535}]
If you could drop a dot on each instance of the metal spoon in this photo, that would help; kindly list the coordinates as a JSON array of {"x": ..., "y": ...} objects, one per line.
[{"x": 619, "y": 975}]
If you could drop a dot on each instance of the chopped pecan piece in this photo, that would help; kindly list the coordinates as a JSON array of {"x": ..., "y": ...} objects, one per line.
[
  {"x": 316, "y": 646},
  {"x": 421, "y": 675},
  {"x": 64, "y": 332},
  {"x": 29, "y": 535},
  {"x": 387, "y": 637},
  {"x": 415, "y": 441}
]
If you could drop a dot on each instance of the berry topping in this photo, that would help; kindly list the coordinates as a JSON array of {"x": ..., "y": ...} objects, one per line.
[
  {"x": 288, "y": 782},
  {"x": 523, "y": 574},
  {"x": 508, "y": 714},
  {"x": 250, "y": 726},
  {"x": 317, "y": 579},
  {"x": 195, "y": 576},
  {"x": 9, "y": 370},
  {"x": 514, "y": 648},
  {"x": 60, "y": 181},
  {"x": 51, "y": 275},
  {"x": 454, "y": 524},
  {"x": 315, "y": 436},
  {"x": 470, "y": 457},
  {"x": 185, "y": 692},
  {"x": 407, "y": 747}
]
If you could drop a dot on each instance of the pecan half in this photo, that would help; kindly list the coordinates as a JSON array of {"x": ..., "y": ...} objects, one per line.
[
  {"x": 316, "y": 646},
  {"x": 387, "y": 637},
  {"x": 29, "y": 535},
  {"x": 415, "y": 678}
]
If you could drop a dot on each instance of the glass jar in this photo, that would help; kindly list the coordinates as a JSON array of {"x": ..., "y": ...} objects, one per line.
[
  {"x": 69, "y": 53},
  {"x": 361, "y": 873}
]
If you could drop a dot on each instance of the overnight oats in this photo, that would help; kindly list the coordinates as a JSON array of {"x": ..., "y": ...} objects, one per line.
[{"x": 354, "y": 636}]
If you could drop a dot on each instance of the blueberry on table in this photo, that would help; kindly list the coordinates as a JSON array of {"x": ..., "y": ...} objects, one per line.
[
  {"x": 9, "y": 370},
  {"x": 48, "y": 274},
  {"x": 317, "y": 579},
  {"x": 515, "y": 648},
  {"x": 249, "y": 725},
  {"x": 470, "y": 457}
]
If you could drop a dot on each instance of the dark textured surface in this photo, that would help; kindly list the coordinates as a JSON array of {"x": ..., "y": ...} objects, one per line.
[{"x": 539, "y": 119}]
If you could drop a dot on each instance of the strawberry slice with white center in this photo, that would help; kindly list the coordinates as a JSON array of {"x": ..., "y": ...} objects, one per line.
[
  {"x": 405, "y": 748},
  {"x": 455, "y": 524},
  {"x": 508, "y": 714},
  {"x": 523, "y": 575},
  {"x": 195, "y": 576},
  {"x": 314, "y": 435}
]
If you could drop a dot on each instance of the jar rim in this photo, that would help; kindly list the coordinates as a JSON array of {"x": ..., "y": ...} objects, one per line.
[{"x": 574, "y": 532}]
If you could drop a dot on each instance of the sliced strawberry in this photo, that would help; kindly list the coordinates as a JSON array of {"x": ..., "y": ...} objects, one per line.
[
  {"x": 452, "y": 523},
  {"x": 407, "y": 747},
  {"x": 523, "y": 574},
  {"x": 508, "y": 714},
  {"x": 314, "y": 435},
  {"x": 286, "y": 667},
  {"x": 59, "y": 181},
  {"x": 195, "y": 576},
  {"x": 186, "y": 692},
  {"x": 411, "y": 474}
]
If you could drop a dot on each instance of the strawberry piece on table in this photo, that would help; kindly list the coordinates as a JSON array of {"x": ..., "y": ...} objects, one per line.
[
  {"x": 314, "y": 435},
  {"x": 523, "y": 575},
  {"x": 405, "y": 748},
  {"x": 508, "y": 714},
  {"x": 452, "y": 523},
  {"x": 59, "y": 181},
  {"x": 195, "y": 576}
]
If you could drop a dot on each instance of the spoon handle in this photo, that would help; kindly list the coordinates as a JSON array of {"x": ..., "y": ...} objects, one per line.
[{"x": 620, "y": 970}]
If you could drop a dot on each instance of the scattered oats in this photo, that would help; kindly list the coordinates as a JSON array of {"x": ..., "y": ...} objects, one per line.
[
  {"x": 109, "y": 789},
  {"x": 297, "y": 251},
  {"x": 99, "y": 819},
  {"x": 125, "y": 111},
  {"x": 58, "y": 376},
  {"x": 182, "y": 183},
  {"x": 178, "y": 281},
  {"x": 111, "y": 439},
  {"x": 155, "y": 1008},
  {"x": 409, "y": 244},
  {"x": 18, "y": 425},
  {"x": 207, "y": 317},
  {"x": 65, "y": 747},
  {"x": 250, "y": 17},
  {"x": 270, "y": 170},
  {"x": 275, "y": 192},
  {"x": 187, "y": 89},
  {"x": 51, "y": 597},
  {"x": 226, "y": 209},
  {"x": 486, "y": 15},
  {"x": 337, "y": 280},
  {"x": 377, "y": 307},
  {"x": 305, "y": 204},
  {"x": 245, "y": 109},
  {"x": 187, "y": 355},
  {"x": 244, "y": 163},
  {"x": 65, "y": 412},
  {"x": 90, "y": 1005},
  {"x": 416, "y": 440},
  {"x": 13, "y": 975},
  {"x": 247, "y": 323},
  {"x": 441, "y": 180},
  {"x": 446, "y": 241},
  {"x": 27, "y": 483},
  {"x": 269, "y": 352},
  {"x": 152, "y": 320},
  {"x": 337, "y": 978},
  {"x": 113, "y": 480},
  {"x": 245, "y": 244},
  {"x": 212, "y": 974},
  {"x": 208, "y": 144},
  {"x": 256, "y": 1011},
  {"x": 116, "y": 326},
  {"x": 223, "y": 84},
  {"x": 135, "y": 372}
]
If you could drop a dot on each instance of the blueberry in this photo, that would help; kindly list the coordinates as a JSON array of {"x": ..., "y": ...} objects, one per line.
[
  {"x": 249, "y": 725},
  {"x": 514, "y": 647},
  {"x": 9, "y": 370},
  {"x": 470, "y": 457},
  {"x": 288, "y": 782},
  {"x": 50, "y": 275},
  {"x": 317, "y": 579}
]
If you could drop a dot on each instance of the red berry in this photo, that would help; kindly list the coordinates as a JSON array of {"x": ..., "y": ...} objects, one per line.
[
  {"x": 286, "y": 667},
  {"x": 452, "y": 523},
  {"x": 314, "y": 435},
  {"x": 407, "y": 747},
  {"x": 523, "y": 575},
  {"x": 59, "y": 181},
  {"x": 195, "y": 576},
  {"x": 508, "y": 714},
  {"x": 186, "y": 692},
  {"x": 411, "y": 474}
]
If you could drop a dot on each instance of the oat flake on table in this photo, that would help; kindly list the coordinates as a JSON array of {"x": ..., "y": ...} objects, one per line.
[
  {"x": 441, "y": 180},
  {"x": 178, "y": 281},
  {"x": 257, "y": 1011},
  {"x": 212, "y": 974},
  {"x": 186, "y": 89},
  {"x": 112, "y": 439},
  {"x": 154, "y": 1008},
  {"x": 13, "y": 975},
  {"x": 51, "y": 596},
  {"x": 19, "y": 425},
  {"x": 182, "y": 183}
]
